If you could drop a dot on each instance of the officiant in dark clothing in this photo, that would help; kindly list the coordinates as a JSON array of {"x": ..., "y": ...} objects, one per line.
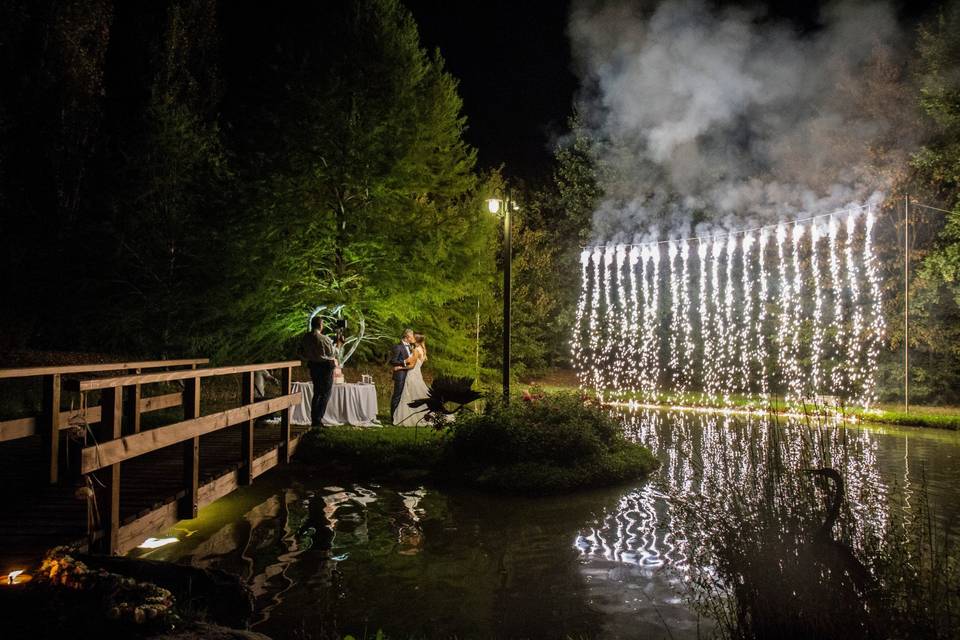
[{"x": 318, "y": 351}]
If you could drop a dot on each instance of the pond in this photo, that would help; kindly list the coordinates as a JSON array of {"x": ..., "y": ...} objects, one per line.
[{"x": 416, "y": 561}]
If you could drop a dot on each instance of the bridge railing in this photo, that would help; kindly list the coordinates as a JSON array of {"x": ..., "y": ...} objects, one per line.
[
  {"x": 113, "y": 447},
  {"x": 52, "y": 420}
]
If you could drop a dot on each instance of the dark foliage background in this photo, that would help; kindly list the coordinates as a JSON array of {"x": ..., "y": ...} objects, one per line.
[{"x": 193, "y": 177}]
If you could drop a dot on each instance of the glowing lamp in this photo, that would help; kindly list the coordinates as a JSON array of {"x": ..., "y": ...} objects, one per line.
[
  {"x": 493, "y": 205},
  {"x": 156, "y": 543},
  {"x": 18, "y": 577}
]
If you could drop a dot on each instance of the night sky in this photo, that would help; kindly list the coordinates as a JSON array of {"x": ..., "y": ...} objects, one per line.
[{"x": 513, "y": 62}]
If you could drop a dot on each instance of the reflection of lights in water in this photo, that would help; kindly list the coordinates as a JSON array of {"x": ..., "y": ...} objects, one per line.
[
  {"x": 703, "y": 455},
  {"x": 156, "y": 543},
  {"x": 409, "y": 534}
]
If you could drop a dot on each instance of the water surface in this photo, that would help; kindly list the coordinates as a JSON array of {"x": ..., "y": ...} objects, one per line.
[{"x": 418, "y": 561}]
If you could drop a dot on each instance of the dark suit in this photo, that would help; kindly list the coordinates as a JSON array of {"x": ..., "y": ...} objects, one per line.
[{"x": 398, "y": 359}]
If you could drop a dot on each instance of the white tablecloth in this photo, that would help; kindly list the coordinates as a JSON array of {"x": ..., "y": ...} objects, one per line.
[{"x": 354, "y": 404}]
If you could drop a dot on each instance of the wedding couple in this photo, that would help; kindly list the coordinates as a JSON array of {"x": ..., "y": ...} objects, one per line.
[{"x": 407, "y": 358}]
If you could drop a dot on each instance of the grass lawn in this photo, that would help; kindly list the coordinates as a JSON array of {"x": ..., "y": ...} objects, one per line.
[{"x": 939, "y": 417}]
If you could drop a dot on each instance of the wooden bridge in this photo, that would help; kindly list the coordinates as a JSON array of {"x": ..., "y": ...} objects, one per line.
[{"x": 98, "y": 477}]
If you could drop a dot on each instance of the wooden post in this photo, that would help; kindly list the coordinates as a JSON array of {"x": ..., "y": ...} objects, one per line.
[
  {"x": 188, "y": 507},
  {"x": 246, "y": 433},
  {"x": 108, "y": 499},
  {"x": 131, "y": 408},
  {"x": 50, "y": 427},
  {"x": 284, "y": 452},
  {"x": 906, "y": 304}
]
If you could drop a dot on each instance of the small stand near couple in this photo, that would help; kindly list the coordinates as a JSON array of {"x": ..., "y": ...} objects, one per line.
[
  {"x": 318, "y": 350},
  {"x": 406, "y": 359}
]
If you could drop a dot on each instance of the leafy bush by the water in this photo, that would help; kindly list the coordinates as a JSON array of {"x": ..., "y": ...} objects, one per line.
[{"x": 556, "y": 443}]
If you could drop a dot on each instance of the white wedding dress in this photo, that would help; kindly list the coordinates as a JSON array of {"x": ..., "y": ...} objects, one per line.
[{"x": 413, "y": 389}]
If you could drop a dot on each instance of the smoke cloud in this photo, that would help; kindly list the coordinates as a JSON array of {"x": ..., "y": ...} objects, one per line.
[{"x": 708, "y": 119}]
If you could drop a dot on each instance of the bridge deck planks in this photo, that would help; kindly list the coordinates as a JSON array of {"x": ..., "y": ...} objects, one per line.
[{"x": 36, "y": 516}]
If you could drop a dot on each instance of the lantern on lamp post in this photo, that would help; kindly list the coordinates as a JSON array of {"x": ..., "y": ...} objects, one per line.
[{"x": 503, "y": 206}]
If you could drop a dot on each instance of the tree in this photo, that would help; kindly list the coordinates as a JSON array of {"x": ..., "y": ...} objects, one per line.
[
  {"x": 52, "y": 58},
  {"x": 937, "y": 167},
  {"x": 367, "y": 197},
  {"x": 159, "y": 272}
]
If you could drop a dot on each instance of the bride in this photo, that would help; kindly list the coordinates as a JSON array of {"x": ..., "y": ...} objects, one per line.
[{"x": 414, "y": 388}]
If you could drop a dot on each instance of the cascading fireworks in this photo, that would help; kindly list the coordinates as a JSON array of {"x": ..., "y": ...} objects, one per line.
[{"x": 737, "y": 321}]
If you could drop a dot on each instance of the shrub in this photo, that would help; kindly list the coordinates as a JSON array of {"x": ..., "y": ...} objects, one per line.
[
  {"x": 551, "y": 445},
  {"x": 556, "y": 443}
]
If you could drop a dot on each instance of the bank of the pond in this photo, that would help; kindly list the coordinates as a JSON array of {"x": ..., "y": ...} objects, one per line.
[
  {"x": 926, "y": 416},
  {"x": 552, "y": 445},
  {"x": 929, "y": 417}
]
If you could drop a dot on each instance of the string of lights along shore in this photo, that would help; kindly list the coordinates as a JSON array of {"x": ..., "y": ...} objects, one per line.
[{"x": 789, "y": 310}]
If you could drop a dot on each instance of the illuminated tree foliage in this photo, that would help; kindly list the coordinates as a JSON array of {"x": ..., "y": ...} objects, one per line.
[
  {"x": 365, "y": 193},
  {"x": 937, "y": 304}
]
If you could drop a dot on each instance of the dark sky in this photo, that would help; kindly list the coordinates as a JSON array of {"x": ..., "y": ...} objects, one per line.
[
  {"x": 512, "y": 58},
  {"x": 513, "y": 62}
]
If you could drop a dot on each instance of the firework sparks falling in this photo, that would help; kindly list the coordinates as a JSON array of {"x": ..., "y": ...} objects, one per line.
[{"x": 723, "y": 324}]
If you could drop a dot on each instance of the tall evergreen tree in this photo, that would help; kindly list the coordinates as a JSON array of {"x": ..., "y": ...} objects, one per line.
[{"x": 366, "y": 194}]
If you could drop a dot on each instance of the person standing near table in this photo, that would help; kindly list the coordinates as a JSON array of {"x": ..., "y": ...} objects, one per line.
[
  {"x": 398, "y": 360},
  {"x": 317, "y": 349}
]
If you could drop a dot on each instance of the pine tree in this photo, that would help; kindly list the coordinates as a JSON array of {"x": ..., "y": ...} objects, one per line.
[{"x": 368, "y": 196}]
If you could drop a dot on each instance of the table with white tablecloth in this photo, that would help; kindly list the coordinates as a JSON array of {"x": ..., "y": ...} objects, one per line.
[{"x": 354, "y": 403}]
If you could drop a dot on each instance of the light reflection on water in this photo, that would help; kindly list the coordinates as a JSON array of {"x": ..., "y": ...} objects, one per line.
[
  {"x": 704, "y": 454},
  {"x": 609, "y": 563}
]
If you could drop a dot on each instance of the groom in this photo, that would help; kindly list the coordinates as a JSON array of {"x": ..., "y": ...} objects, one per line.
[{"x": 398, "y": 359}]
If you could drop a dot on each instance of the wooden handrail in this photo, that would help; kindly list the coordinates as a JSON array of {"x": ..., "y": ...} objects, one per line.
[
  {"x": 25, "y": 372},
  {"x": 48, "y": 424},
  {"x": 131, "y": 446},
  {"x": 170, "y": 376},
  {"x": 24, "y": 427}
]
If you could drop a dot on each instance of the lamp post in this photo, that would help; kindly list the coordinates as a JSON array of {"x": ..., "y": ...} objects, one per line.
[{"x": 495, "y": 205}]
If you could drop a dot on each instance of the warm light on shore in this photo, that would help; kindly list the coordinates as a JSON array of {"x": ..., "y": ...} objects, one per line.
[{"x": 18, "y": 577}]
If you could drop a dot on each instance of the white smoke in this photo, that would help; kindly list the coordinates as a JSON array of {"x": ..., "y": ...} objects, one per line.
[{"x": 716, "y": 119}]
